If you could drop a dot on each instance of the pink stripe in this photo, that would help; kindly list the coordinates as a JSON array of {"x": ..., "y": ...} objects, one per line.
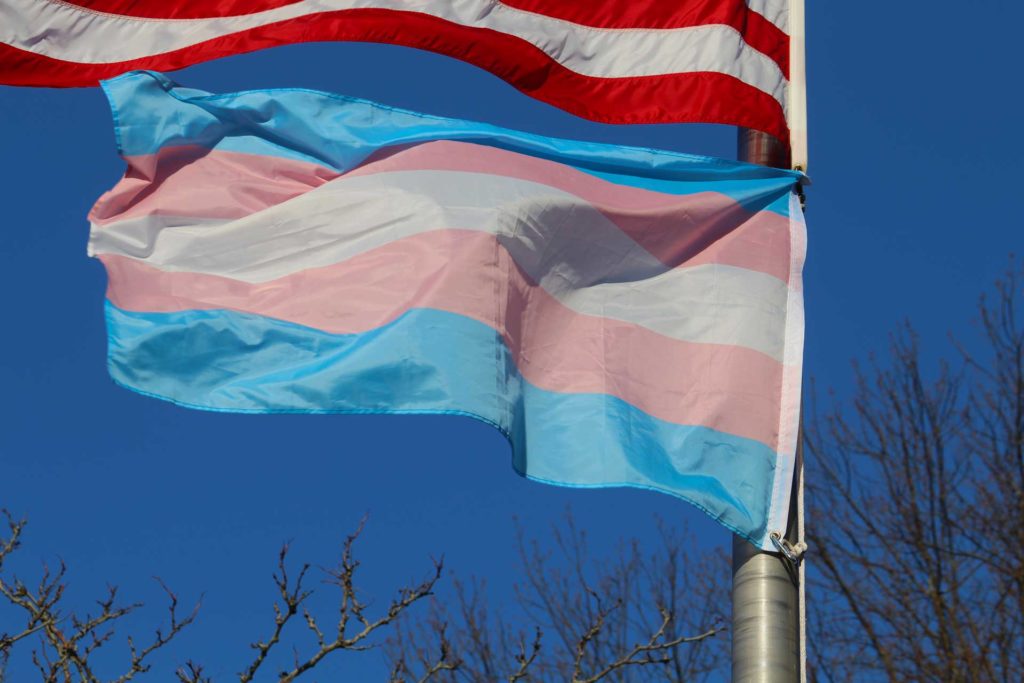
[
  {"x": 679, "y": 230},
  {"x": 727, "y": 388},
  {"x": 197, "y": 181}
]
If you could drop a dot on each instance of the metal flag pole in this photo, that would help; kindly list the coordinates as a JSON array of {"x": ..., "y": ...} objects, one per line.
[
  {"x": 768, "y": 609},
  {"x": 766, "y": 587},
  {"x": 767, "y": 604}
]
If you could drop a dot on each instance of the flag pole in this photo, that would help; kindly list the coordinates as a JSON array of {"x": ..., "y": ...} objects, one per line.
[
  {"x": 768, "y": 603},
  {"x": 766, "y": 587},
  {"x": 768, "y": 608}
]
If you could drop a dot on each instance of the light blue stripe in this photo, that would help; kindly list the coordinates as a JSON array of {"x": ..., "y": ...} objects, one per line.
[
  {"x": 424, "y": 363},
  {"x": 151, "y": 112}
]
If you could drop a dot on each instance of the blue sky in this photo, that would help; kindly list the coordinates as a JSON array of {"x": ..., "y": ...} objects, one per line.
[{"x": 915, "y": 157}]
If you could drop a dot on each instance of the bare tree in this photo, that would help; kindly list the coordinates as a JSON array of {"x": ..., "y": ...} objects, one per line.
[
  {"x": 632, "y": 617},
  {"x": 629, "y": 617},
  {"x": 66, "y": 643},
  {"x": 917, "y": 513},
  {"x": 994, "y": 443}
]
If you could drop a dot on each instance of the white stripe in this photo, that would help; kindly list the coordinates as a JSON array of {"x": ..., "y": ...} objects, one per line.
[
  {"x": 792, "y": 378},
  {"x": 775, "y": 11},
  {"x": 572, "y": 250},
  {"x": 67, "y": 32}
]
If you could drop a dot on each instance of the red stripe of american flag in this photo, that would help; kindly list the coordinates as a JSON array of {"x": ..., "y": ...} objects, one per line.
[{"x": 685, "y": 97}]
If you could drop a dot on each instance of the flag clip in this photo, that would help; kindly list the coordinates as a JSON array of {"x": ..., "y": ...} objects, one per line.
[{"x": 794, "y": 552}]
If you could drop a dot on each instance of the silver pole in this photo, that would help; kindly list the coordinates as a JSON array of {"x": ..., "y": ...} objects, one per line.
[{"x": 765, "y": 588}]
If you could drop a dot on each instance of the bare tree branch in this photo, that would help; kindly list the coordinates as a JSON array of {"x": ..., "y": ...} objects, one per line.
[
  {"x": 68, "y": 643},
  {"x": 623, "y": 618},
  {"x": 916, "y": 496}
]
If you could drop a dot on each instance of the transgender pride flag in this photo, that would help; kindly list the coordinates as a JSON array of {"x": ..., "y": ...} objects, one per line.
[{"x": 625, "y": 316}]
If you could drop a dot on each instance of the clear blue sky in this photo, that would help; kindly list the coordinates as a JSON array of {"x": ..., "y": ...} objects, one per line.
[{"x": 915, "y": 116}]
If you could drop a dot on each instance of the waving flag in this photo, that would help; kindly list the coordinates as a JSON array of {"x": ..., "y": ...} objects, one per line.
[
  {"x": 617, "y": 61},
  {"x": 625, "y": 316}
]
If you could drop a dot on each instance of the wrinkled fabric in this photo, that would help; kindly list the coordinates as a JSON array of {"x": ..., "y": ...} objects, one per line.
[
  {"x": 625, "y": 316},
  {"x": 627, "y": 61}
]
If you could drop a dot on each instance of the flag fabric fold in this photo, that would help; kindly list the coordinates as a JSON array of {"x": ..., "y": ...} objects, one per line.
[
  {"x": 617, "y": 61},
  {"x": 625, "y": 316}
]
